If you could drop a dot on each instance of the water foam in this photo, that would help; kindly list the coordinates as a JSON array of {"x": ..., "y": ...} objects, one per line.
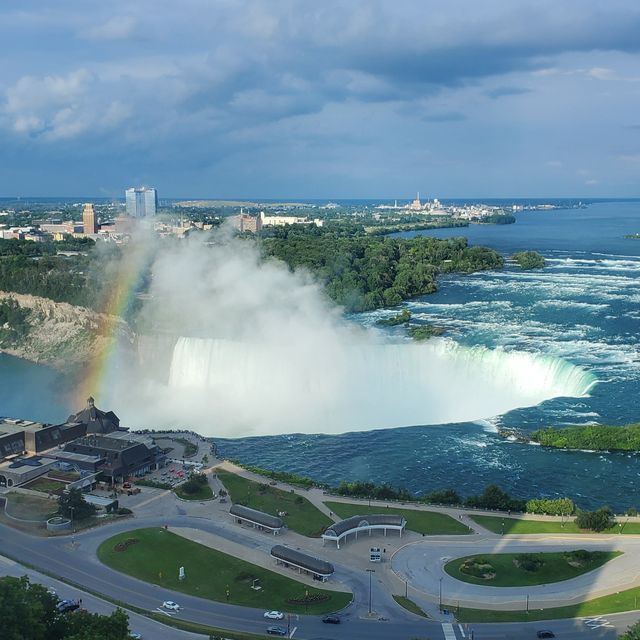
[{"x": 240, "y": 388}]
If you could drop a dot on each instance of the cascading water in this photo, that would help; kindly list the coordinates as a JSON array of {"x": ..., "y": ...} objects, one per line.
[{"x": 250, "y": 388}]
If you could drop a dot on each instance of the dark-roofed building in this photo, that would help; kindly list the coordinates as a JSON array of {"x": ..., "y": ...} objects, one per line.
[
  {"x": 256, "y": 519},
  {"x": 378, "y": 521},
  {"x": 18, "y": 436},
  {"x": 319, "y": 569},
  {"x": 120, "y": 458},
  {"x": 97, "y": 421}
]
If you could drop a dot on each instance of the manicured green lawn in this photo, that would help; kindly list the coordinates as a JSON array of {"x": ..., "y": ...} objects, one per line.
[
  {"x": 46, "y": 485},
  {"x": 410, "y": 605},
  {"x": 427, "y": 522},
  {"x": 158, "y": 555},
  {"x": 615, "y": 603},
  {"x": 28, "y": 507},
  {"x": 303, "y": 517},
  {"x": 204, "y": 493},
  {"x": 555, "y": 568},
  {"x": 516, "y": 525}
]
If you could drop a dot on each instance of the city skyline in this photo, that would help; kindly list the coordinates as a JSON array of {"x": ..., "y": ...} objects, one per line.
[{"x": 344, "y": 100}]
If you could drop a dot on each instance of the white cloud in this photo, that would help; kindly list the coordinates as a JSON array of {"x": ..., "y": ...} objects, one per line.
[
  {"x": 59, "y": 107},
  {"x": 118, "y": 28}
]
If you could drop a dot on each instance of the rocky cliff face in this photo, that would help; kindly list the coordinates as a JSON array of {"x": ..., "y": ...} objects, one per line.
[{"x": 62, "y": 335}]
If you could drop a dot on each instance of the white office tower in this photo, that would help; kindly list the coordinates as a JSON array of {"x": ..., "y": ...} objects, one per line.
[{"x": 141, "y": 202}]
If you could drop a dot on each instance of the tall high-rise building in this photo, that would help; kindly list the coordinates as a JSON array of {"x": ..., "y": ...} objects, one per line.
[
  {"x": 141, "y": 202},
  {"x": 89, "y": 222}
]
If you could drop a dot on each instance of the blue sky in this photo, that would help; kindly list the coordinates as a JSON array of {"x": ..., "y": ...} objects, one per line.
[{"x": 331, "y": 99}]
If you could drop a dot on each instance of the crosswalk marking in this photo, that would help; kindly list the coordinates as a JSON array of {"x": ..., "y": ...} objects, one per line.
[
  {"x": 597, "y": 623},
  {"x": 449, "y": 633},
  {"x": 462, "y": 631},
  {"x": 293, "y": 631}
]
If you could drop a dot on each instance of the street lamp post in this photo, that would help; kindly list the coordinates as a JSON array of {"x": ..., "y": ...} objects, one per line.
[
  {"x": 440, "y": 596},
  {"x": 527, "y": 603},
  {"x": 370, "y": 571},
  {"x": 503, "y": 527},
  {"x": 406, "y": 588}
]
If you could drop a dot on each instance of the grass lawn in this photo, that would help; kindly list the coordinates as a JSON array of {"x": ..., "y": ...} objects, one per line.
[
  {"x": 410, "y": 605},
  {"x": 555, "y": 568},
  {"x": 303, "y": 517},
  {"x": 46, "y": 485},
  {"x": 204, "y": 493},
  {"x": 158, "y": 554},
  {"x": 427, "y": 522},
  {"x": 615, "y": 603},
  {"x": 27, "y": 507},
  {"x": 516, "y": 525}
]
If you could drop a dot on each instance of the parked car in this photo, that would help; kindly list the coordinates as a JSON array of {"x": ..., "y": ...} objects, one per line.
[
  {"x": 331, "y": 619},
  {"x": 274, "y": 615},
  {"x": 135, "y": 636},
  {"x": 275, "y": 630},
  {"x": 172, "y": 606},
  {"x": 126, "y": 485},
  {"x": 65, "y": 606},
  {"x": 545, "y": 633},
  {"x": 133, "y": 491}
]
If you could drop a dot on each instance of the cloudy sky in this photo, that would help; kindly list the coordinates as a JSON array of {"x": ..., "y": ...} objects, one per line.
[{"x": 325, "y": 99}]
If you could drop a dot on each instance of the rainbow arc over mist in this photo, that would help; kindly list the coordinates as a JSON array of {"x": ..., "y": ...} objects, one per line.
[{"x": 126, "y": 282}]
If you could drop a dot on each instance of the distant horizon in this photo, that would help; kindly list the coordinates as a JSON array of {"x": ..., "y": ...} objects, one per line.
[{"x": 327, "y": 199}]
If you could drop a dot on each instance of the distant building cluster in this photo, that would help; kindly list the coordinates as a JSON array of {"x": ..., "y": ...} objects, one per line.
[
  {"x": 89, "y": 445},
  {"x": 247, "y": 222},
  {"x": 436, "y": 208}
]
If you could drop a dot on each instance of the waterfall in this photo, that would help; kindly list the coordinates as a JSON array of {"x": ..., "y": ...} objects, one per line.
[{"x": 240, "y": 388}]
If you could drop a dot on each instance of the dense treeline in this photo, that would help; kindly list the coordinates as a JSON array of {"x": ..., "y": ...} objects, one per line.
[
  {"x": 48, "y": 276},
  {"x": 362, "y": 273},
  {"x": 84, "y": 280},
  {"x": 498, "y": 218},
  {"x": 17, "y": 247},
  {"x": 594, "y": 437}
]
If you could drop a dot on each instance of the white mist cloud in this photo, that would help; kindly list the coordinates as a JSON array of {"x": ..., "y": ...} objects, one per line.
[{"x": 262, "y": 351}]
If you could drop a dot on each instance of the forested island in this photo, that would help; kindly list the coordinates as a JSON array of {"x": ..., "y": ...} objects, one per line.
[
  {"x": 529, "y": 260},
  {"x": 362, "y": 273},
  {"x": 591, "y": 437}
]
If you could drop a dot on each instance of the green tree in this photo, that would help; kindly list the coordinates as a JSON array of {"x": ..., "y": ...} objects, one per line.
[
  {"x": 597, "y": 520},
  {"x": 632, "y": 633},
  {"x": 27, "y": 611},
  {"x": 71, "y": 504},
  {"x": 493, "y": 497},
  {"x": 92, "y": 626}
]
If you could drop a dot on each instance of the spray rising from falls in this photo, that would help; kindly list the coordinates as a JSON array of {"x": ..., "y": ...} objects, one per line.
[{"x": 244, "y": 389}]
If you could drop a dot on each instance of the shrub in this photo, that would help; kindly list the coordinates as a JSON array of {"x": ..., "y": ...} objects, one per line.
[
  {"x": 443, "y": 496},
  {"x": 552, "y": 507},
  {"x": 495, "y": 498},
  {"x": 597, "y": 520},
  {"x": 123, "y": 511},
  {"x": 529, "y": 561},
  {"x": 579, "y": 556}
]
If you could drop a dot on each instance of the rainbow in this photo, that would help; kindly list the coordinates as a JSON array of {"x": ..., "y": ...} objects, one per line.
[{"x": 126, "y": 282}]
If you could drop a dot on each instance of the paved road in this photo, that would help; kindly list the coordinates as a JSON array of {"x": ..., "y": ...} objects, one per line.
[
  {"x": 422, "y": 564},
  {"x": 78, "y": 563}
]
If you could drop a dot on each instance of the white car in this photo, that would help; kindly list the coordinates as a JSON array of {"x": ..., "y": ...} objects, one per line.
[
  {"x": 168, "y": 604},
  {"x": 274, "y": 615}
]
